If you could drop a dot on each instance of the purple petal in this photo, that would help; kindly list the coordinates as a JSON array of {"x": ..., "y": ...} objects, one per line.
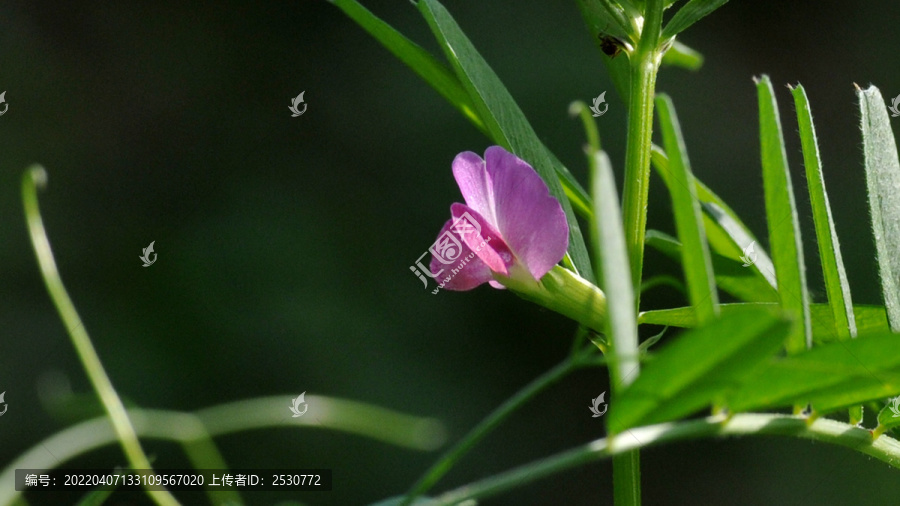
[
  {"x": 454, "y": 264},
  {"x": 530, "y": 220},
  {"x": 474, "y": 184},
  {"x": 481, "y": 238}
]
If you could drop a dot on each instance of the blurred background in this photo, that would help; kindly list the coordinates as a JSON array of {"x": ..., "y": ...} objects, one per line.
[{"x": 284, "y": 243}]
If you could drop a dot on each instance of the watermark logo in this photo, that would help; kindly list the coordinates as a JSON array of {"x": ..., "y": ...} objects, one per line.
[
  {"x": 749, "y": 256},
  {"x": 894, "y": 108},
  {"x": 894, "y": 407},
  {"x": 447, "y": 249},
  {"x": 600, "y": 100},
  {"x": 595, "y": 406},
  {"x": 146, "y": 257},
  {"x": 2, "y": 401},
  {"x": 295, "y": 407},
  {"x": 295, "y": 104},
  {"x": 3, "y": 101}
]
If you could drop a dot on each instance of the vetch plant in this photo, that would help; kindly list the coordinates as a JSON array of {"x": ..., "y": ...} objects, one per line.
[
  {"x": 773, "y": 349},
  {"x": 773, "y": 362}
]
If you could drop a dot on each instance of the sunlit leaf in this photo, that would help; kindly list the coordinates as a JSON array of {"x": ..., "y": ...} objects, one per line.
[
  {"x": 883, "y": 181},
  {"x": 831, "y": 376},
  {"x": 689, "y": 14},
  {"x": 782, "y": 218},
  {"x": 698, "y": 368},
  {"x": 695, "y": 257}
]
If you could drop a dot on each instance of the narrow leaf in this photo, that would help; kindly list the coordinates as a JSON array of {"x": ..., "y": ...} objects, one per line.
[
  {"x": 836, "y": 283},
  {"x": 783, "y": 222},
  {"x": 419, "y": 60},
  {"x": 699, "y": 367},
  {"x": 831, "y": 376},
  {"x": 870, "y": 319},
  {"x": 605, "y": 17},
  {"x": 692, "y": 12},
  {"x": 503, "y": 118},
  {"x": 695, "y": 258},
  {"x": 883, "y": 181},
  {"x": 610, "y": 249}
]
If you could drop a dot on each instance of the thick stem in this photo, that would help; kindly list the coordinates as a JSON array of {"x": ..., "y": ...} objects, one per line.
[
  {"x": 644, "y": 64},
  {"x": 637, "y": 160}
]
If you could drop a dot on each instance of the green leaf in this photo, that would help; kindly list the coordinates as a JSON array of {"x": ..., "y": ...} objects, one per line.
[
  {"x": 612, "y": 254},
  {"x": 783, "y": 222},
  {"x": 836, "y": 283},
  {"x": 888, "y": 417},
  {"x": 692, "y": 12},
  {"x": 870, "y": 319},
  {"x": 680, "y": 55},
  {"x": 741, "y": 282},
  {"x": 604, "y": 17},
  {"x": 419, "y": 60},
  {"x": 883, "y": 181},
  {"x": 600, "y": 24},
  {"x": 503, "y": 118},
  {"x": 831, "y": 376},
  {"x": 695, "y": 258},
  {"x": 698, "y": 368}
]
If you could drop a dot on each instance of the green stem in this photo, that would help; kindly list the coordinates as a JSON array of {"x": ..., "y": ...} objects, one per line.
[
  {"x": 452, "y": 456},
  {"x": 644, "y": 63},
  {"x": 883, "y": 448},
  {"x": 34, "y": 177}
]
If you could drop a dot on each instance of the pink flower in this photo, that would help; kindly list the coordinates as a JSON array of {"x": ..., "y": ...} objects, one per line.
[{"x": 509, "y": 227}]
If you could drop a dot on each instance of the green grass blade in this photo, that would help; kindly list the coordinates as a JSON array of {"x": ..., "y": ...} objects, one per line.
[
  {"x": 883, "y": 181},
  {"x": 831, "y": 376},
  {"x": 503, "y": 118},
  {"x": 692, "y": 12},
  {"x": 418, "y": 59},
  {"x": 870, "y": 319},
  {"x": 836, "y": 283},
  {"x": 697, "y": 368},
  {"x": 783, "y": 222},
  {"x": 742, "y": 282},
  {"x": 695, "y": 258}
]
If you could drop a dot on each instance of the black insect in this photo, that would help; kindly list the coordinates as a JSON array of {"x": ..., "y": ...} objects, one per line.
[{"x": 611, "y": 46}]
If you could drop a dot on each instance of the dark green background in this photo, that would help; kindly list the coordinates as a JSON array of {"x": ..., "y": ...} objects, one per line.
[{"x": 284, "y": 243}]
